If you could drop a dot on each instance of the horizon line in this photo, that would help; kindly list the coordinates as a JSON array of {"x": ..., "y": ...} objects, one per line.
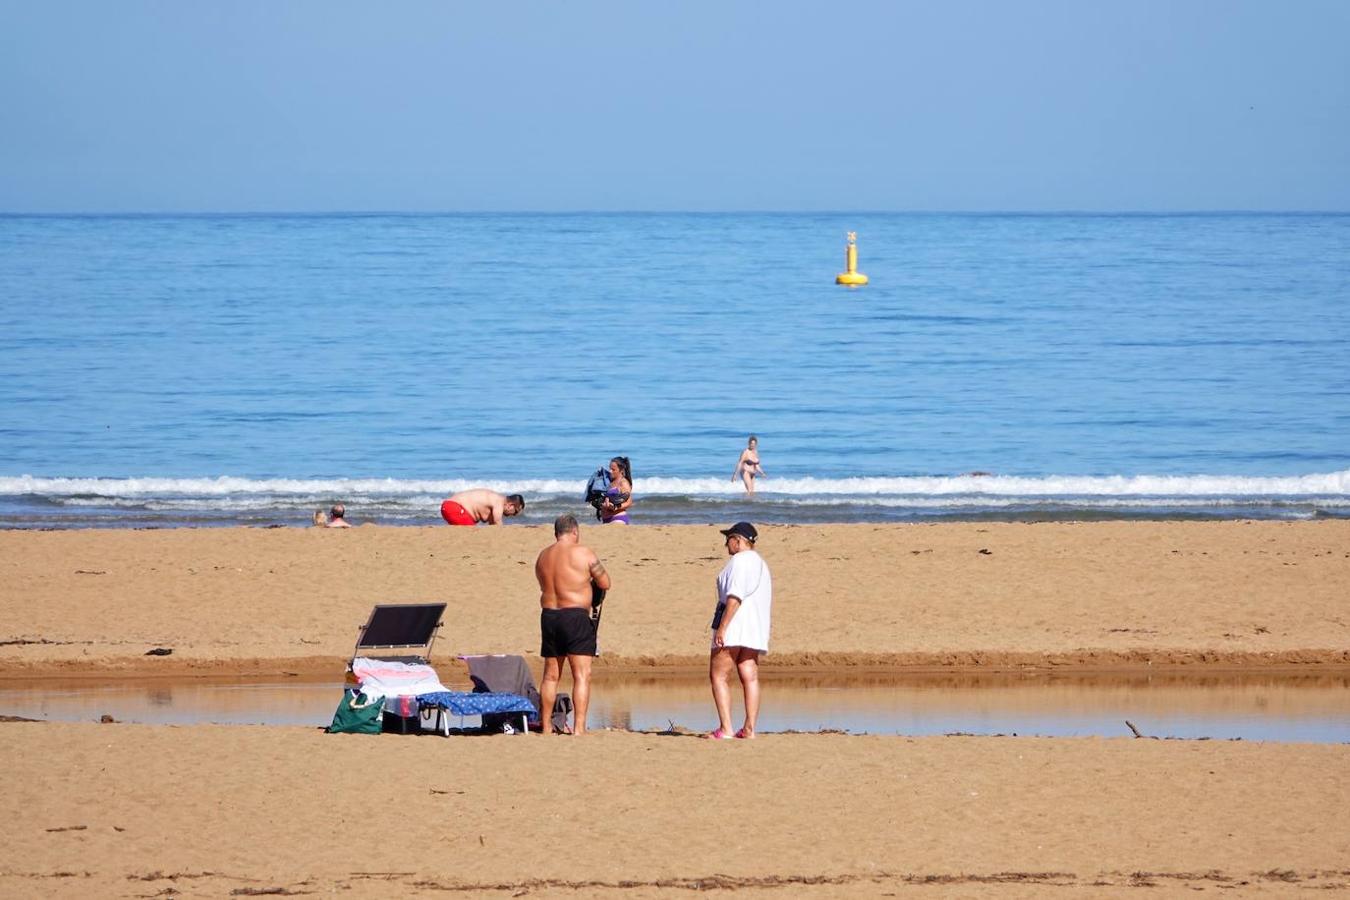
[{"x": 315, "y": 213}]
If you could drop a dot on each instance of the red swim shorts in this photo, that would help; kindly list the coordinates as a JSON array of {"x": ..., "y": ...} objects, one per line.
[{"x": 454, "y": 514}]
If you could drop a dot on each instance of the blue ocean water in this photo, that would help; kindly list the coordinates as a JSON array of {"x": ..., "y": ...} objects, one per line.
[{"x": 170, "y": 370}]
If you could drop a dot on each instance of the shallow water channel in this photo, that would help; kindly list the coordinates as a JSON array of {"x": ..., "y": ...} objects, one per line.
[{"x": 1254, "y": 707}]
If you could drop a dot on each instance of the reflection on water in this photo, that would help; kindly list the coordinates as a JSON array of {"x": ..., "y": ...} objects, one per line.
[
  {"x": 1275, "y": 707},
  {"x": 1252, "y": 707}
]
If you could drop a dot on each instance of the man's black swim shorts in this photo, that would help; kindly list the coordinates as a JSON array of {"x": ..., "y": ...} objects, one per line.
[{"x": 566, "y": 632}]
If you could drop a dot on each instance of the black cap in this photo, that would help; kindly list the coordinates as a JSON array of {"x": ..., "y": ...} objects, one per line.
[{"x": 744, "y": 529}]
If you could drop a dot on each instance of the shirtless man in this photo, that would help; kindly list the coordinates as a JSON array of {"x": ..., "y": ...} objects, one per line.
[
  {"x": 337, "y": 517},
  {"x": 566, "y": 571},
  {"x": 480, "y": 505}
]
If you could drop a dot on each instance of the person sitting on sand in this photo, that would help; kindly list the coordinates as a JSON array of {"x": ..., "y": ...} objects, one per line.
[
  {"x": 740, "y": 628},
  {"x": 320, "y": 518},
  {"x": 337, "y": 517},
  {"x": 747, "y": 467},
  {"x": 481, "y": 505}
]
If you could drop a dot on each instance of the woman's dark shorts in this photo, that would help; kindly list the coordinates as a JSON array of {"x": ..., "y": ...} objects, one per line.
[{"x": 566, "y": 632}]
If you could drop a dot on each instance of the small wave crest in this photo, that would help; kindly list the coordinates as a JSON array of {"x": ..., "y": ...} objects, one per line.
[
  {"x": 1330, "y": 484},
  {"x": 227, "y": 485},
  {"x": 28, "y": 501}
]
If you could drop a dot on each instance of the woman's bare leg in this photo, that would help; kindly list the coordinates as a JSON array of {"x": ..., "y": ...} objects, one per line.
[
  {"x": 720, "y": 665},
  {"x": 747, "y": 666}
]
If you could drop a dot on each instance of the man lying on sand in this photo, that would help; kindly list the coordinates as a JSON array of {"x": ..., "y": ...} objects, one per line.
[{"x": 480, "y": 505}]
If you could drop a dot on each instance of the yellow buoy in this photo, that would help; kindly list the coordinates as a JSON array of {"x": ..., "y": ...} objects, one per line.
[{"x": 851, "y": 276}]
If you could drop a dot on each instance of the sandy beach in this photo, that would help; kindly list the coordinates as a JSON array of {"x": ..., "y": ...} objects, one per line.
[
  {"x": 138, "y": 811},
  {"x": 211, "y": 811},
  {"x": 244, "y": 600}
]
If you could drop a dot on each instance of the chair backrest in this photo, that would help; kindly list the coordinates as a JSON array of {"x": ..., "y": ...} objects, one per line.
[
  {"x": 511, "y": 674},
  {"x": 401, "y": 626},
  {"x": 502, "y": 673}
]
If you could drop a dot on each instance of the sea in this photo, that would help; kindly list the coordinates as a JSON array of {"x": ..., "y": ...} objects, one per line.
[{"x": 244, "y": 370}]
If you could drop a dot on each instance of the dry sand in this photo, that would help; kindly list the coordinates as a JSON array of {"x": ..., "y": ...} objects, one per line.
[
  {"x": 1101, "y": 594},
  {"x": 125, "y": 810}
]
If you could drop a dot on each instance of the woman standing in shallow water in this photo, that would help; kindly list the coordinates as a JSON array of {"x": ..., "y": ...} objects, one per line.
[
  {"x": 619, "y": 497},
  {"x": 747, "y": 467}
]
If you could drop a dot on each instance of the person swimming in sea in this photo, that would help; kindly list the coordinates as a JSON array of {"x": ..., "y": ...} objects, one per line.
[
  {"x": 747, "y": 467},
  {"x": 619, "y": 497}
]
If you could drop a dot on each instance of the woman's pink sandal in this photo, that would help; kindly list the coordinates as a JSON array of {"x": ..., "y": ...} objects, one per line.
[
  {"x": 718, "y": 735},
  {"x": 743, "y": 736}
]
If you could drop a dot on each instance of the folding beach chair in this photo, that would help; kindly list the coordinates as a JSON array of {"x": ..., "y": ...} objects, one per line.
[
  {"x": 400, "y": 626},
  {"x": 408, "y": 682},
  {"x": 511, "y": 674}
]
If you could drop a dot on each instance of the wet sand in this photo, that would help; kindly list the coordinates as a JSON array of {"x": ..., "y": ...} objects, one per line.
[{"x": 129, "y": 810}]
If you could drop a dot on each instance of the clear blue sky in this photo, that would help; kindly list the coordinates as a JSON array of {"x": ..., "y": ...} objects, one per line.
[{"x": 310, "y": 105}]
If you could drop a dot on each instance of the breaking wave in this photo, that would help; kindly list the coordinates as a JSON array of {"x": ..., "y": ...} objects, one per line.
[
  {"x": 1330, "y": 484},
  {"x": 36, "y": 502}
]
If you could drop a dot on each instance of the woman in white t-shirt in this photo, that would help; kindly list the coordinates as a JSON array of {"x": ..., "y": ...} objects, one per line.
[{"x": 740, "y": 629}]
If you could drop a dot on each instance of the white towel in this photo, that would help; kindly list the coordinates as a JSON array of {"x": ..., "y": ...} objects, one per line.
[{"x": 382, "y": 678}]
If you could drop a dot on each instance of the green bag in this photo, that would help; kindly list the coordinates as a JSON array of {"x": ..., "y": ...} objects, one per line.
[{"x": 357, "y": 714}]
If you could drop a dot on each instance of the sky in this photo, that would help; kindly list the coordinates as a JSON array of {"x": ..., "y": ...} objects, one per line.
[{"x": 681, "y": 105}]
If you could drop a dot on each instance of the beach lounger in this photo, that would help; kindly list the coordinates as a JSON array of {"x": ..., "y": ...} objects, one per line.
[
  {"x": 406, "y": 682},
  {"x": 510, "y": 673}
]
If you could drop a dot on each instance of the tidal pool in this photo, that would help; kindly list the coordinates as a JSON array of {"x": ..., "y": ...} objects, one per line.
[{"x": 1249, "y": 706}]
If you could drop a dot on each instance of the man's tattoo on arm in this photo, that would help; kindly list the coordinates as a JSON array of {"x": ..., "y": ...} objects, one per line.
[{"x": 597, "y": 569}]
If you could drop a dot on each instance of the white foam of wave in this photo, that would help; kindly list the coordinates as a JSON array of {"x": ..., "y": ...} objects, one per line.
[
  {"x": 245, "y": 503},
  {"x": 1332, "y": 483},
  {"x": 1093, "y": 502},
  {"x": 426, "y": 506},
  {"x": 226, "y": 486},
  {"x": 1327, "y": 485}
]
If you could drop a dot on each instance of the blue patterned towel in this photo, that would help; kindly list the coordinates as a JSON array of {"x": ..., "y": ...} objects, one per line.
[{"x": 467, "y": 704}]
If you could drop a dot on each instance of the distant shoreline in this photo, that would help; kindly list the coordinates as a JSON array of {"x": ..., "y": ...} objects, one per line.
[{"x": 31, "y": 502}]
